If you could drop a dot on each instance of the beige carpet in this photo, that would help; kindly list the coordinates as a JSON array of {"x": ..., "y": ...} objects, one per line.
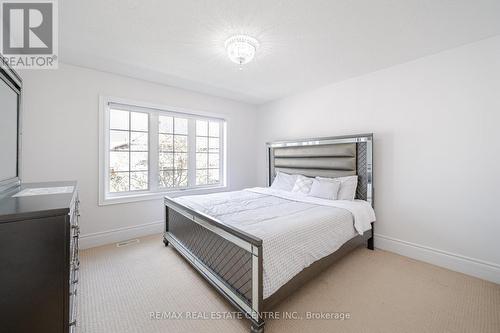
[{"x": 381, "y": 291}]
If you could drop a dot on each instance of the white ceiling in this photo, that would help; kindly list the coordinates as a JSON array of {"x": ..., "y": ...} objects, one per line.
[{"x": 304, "y": 43}]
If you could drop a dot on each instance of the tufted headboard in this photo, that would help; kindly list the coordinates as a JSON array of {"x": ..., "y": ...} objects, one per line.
[{"x": 326, "y": 157}]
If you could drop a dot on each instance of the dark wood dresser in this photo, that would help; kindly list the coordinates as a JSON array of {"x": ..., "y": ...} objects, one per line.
[{"x": 39, "y": 262}]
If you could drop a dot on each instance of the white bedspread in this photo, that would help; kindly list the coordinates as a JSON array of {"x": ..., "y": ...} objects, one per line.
[{"x": 296, "y": 230}]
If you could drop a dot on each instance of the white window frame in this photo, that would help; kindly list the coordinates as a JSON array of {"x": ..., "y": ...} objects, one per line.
[{"x": 155, "y": 192}]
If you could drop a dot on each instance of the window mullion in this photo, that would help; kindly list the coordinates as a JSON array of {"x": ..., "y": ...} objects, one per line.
[
  {"x": 191, "y": 152},
  {"x": 106, "y": 148},
  {"x": 129, "y": 148},
  {"x": 221, "y": 154},
  {"x": 153, "y": 154}
]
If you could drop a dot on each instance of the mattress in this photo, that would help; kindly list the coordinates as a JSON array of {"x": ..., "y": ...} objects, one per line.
[{"x": 296, "y": 230}]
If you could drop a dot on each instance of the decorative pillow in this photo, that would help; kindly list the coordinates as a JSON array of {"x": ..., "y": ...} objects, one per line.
[
  {"x": 284, "y": 181},
  {"x": 302, "y": 185},
  {"x": 348, "y": 186},
  {"x": 325, "y": 189}
]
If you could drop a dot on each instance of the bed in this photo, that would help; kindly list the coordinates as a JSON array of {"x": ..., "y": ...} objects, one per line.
[{"x": 258, "y": 245}]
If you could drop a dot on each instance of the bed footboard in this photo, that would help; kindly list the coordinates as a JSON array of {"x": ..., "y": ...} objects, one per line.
[{"x": 228, "y": 258}]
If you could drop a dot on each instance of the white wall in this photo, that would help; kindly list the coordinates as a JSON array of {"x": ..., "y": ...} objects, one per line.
[
  {"x": 60, "y": 141},
  {"x": 437, "y": 150}
]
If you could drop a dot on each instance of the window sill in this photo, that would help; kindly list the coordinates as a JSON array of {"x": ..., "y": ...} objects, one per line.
[{"x": 121, "y": 199}]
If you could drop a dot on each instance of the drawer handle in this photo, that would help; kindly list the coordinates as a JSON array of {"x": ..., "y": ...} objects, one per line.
[{"x": 73, "y": 323}]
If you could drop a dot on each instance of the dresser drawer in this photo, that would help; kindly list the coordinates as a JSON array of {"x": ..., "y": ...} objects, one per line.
[
  {"x": 74, "y": 233},
  {"x": 74, "y": 208},
  {"x": 74, "y": 242},
  {"x": 74, "y": 274},
  {"x": 73, "y": 306},
  {"x": 74, "y": 264},
  {"x": 73, "y": 294}
]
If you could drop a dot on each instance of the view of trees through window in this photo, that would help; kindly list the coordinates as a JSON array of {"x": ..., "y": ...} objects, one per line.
[
  {"x": 128, "y": 156},
  {"x": 207, "y": 152},
  {"x": 173, "y": 151},
  {"x": 187, "y": 150}
]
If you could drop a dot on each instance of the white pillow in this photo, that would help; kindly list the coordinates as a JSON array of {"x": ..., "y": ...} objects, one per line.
[
  {"x": 302, "y": 185},
  {"x": 325, "y": 189},
  {"x": 284, "y": 181},
  {"x": 348, "y": 186}
]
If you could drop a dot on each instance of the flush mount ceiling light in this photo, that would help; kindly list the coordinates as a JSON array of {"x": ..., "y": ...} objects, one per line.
[{"x": 241, "y": 48}]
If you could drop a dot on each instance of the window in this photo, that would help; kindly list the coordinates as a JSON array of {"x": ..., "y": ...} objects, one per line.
[
  {"x": 173, "y": 151},
  {"x": 128, "y": 151},
  {"x": 148, "y": 151},
  {"x": 207, "y": 152}
]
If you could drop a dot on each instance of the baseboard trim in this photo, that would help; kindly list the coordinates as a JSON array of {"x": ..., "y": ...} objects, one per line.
[
  {"x": 120, "y": 234},
  {"x": 455, "y": 262}
]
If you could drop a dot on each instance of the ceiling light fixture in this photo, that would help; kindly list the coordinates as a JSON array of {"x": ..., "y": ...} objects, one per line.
[{"x": 241, "y": 49}]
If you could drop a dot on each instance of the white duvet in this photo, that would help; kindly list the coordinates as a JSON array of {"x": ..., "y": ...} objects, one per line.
[{"x": 296, "y": 230}]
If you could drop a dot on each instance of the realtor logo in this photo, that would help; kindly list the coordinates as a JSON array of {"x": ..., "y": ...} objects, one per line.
[{"x": 29, "y": 33}]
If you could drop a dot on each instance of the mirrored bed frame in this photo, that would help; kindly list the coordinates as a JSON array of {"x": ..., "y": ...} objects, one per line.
[{"x": 231, "y": 259}]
